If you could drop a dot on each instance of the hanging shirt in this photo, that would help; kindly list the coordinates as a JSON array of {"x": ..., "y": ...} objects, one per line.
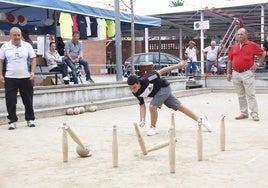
[
  {"x": 111, "y": 28},
  {"x": 93, "y": 27},
  {"x": 82, "y": 26},
  {"x": 75, "y": 25},
  {"x": 99, "y": 30},
  {"x": 88, "y": 26},
  {"x": 66, "y": 24},
  {"x": 103, "y": 29}
]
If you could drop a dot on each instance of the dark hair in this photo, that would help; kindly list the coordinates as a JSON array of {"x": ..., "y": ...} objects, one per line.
[
  {"x": 51, "y": 43},
  {"x": 76, "y": 32},
  {"x": 132, "y": 79}
]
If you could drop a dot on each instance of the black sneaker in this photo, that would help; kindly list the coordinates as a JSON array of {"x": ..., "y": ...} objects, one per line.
[{"x": 66, "y": 82}]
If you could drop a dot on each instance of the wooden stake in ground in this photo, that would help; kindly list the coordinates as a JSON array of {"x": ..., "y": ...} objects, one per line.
[
  {"x": 115, "y": 147},
  {"x": 173, "y": 124},
  {"x": 172, "y": 154},
  {"x": 199, "y": 143},
  {"x": 82, "y": 150},
  {"x": 74, "y": 137},
  {"x": 64, "y": 145},
  {"x": 140, "y": 139},
  {"x": 222, "y": 133},
  {"x": 160, "y": 145}
]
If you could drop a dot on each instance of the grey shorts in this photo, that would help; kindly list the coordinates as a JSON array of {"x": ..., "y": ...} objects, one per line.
[{"x": 164, "y": 96}]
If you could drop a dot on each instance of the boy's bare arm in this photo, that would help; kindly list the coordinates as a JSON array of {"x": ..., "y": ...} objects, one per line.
[{"x": 180, "y": 65}]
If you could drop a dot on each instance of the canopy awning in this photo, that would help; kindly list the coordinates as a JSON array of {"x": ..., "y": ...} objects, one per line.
[{"x": 40, "y": 13}]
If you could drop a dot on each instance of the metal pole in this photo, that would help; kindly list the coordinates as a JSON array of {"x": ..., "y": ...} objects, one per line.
[
  {"x": 118, "y": 42},
  {"x": 132, "y": 37},
  {"x": 181, "y": 55},
  {"x": 146, "y": 40},
  {"x": 159, "y": 47},
  {"x": 262, "y": 25},
  {"x": 202, "y": 42}
]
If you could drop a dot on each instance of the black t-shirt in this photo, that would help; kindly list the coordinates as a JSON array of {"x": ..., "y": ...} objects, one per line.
[
  {"x": 82, "y": 26},
  {"x": 93, "y": 27},
  {"x": 150, "y": 85}
]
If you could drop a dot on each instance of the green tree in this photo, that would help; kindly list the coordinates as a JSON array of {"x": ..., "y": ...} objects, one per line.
[{"x": 176, "y": 3}]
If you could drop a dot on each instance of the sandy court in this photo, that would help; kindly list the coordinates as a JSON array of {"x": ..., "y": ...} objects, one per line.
[{"x": 32, "y": 157}]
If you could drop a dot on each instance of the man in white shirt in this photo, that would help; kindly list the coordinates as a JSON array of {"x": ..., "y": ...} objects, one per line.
[
  {"x": 191, "y": 56},
  {"x": 20, "y": 63},
  {"x": 211, "y": 55}
]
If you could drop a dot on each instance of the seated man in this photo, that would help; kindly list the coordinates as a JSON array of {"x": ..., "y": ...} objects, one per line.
[
  {"x": 73, "y": 54},
  {"x": 54, "y": 62}
]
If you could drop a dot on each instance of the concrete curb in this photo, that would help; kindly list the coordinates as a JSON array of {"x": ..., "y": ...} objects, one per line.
[{"x": 102, "y": 104}]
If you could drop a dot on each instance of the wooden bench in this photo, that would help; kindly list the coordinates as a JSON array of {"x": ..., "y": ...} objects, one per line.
[{"x": 42, "y": 64}]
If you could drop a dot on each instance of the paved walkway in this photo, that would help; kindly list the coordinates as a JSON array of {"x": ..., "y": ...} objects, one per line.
[{"x": 104, "y": 78}]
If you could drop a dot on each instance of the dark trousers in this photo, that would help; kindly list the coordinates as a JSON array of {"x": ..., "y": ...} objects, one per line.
[
  {"x": 73, "y": 68},
  {"x": 63, "y": 68},
  {"x": 25, "y": 88}
]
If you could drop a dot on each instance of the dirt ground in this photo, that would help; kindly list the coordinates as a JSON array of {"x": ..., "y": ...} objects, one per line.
[{"x": 32, "y": 157}]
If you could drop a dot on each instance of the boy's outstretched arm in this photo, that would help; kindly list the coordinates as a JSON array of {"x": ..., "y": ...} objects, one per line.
[{"x": 180, "y": 65}]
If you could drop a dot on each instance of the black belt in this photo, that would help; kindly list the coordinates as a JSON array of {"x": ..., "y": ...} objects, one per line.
[{"x": 244, "y": 70}]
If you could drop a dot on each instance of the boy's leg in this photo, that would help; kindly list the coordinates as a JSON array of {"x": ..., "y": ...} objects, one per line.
[
  {"x": 153, "y": 114},
  {"x": 187, "y": 112},
  {"x": 158, "y": 100},
  {"x": 201, "y": 120}
]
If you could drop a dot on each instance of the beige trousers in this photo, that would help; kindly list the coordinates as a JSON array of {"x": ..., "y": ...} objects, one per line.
[{"x": 244, "y": 84}]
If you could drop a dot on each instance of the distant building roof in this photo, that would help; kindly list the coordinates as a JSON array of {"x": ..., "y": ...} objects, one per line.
[{"x": 220, "y": 18}]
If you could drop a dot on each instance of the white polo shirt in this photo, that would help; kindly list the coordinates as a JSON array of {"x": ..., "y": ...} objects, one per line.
[
  {"x": 212, "y": 53},
  {"x": 191, "y": 53},
  {"x": 18, "y": 59}
]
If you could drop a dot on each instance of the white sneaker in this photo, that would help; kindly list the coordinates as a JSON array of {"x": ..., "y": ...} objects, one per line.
[
  {"x": 66, "y": 78},
  {"x": 86, "y": 82},
  {"x": 91, "y": 81},
  {"x": 30, "y": 123},
  {"x": 151, "y": 131},
  {"x": 12, "y": 126},
  {"x": 205, "y": 123}
]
